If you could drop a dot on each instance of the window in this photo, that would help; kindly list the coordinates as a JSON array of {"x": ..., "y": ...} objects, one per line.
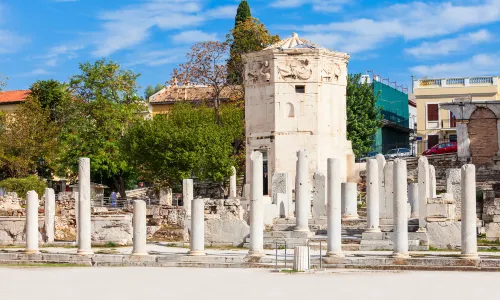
[
  {"x": 453, "y": 120},
  {"x": 300, "y": 89},
  {"x": 432, "y": 112}
]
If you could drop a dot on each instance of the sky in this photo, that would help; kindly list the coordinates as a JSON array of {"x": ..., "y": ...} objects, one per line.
[{"x": 44, "y": 39}]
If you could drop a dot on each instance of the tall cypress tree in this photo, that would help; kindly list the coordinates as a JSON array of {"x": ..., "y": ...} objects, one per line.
[{"x": 242, "y": 13}]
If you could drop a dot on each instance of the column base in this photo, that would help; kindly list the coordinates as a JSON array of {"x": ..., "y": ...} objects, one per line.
[
  {"x": 372, "y": 230},
  {"x": 400, "y": 255},
  {"x": 140, "y": 254},
  {"x": 469, "y": 256},
  {"x": 301, "y": 229},
  {"x": 84, "y": 252},
  {"x": 196, "y": 253},
  {"x": 32, "y": 251},
  {"x": 350, "y": 217},
  {"x": 422, "y": 229},
  {"x": 255, "y": 253},
  {"x": 335, "y": 254}
]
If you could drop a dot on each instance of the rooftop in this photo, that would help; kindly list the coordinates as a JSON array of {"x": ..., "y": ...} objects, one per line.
[
  {"x": 8, "y": 97},
  {"x": 455, "y": 82}
]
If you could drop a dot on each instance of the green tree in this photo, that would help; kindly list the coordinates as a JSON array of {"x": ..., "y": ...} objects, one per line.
[
  {"x": 150, "y": 90},
  {"x": 242, "y": 13},
  {"x": 51, "y": 94},
  {"x": 3, "y": 82},
  {"x": 248, "y": 36},
  {"x": 105, "y": 105},
  {"x": 185, "y": 143},
  {"x": 363, "y": 115}
]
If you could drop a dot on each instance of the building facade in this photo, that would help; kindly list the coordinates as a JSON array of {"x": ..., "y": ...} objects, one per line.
[
  {"x": 435, "y": 124},
  {"x": 10, "y": 99}
]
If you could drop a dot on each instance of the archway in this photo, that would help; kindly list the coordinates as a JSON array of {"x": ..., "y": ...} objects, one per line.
[{"x": 483, "y": 136}]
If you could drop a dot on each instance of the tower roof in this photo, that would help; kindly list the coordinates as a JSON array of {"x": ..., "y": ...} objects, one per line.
[{"x": 293, "y": 43}]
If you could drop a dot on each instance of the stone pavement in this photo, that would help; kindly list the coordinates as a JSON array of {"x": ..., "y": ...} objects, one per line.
[{"x": 163, "y": 256}]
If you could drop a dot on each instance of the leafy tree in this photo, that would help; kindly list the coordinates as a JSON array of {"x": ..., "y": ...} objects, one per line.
[
  {"x": 150, "y": 90},
  {"x": 363, "y": 115},
  {"x": 3, "y": 82},
  {"x": 28, "y": 142},
  {"x": 206, "y": 65},
  {"x": 22, "y": 186},
  {"x": 105, "y": 105},
  {"x": 51, "y": 94},
  {"x": 242, "y": 13},
  {"x": 185, "y": 143},
  {"x": 247, "y": 36}
]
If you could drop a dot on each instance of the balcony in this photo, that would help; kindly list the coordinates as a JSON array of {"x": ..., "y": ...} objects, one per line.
[{"x": 456, "y": 82}]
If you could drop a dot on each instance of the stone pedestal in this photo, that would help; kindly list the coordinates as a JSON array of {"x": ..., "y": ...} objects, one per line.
[
  {"x": 50, "y": 214},
  {"x": 187, "y": 195},
  {"x": 301, "y": 259},
  {"x": 349, "y": 201},
  {"x": 256, "y": 207},
  {"x": 423, "y": 191},
  {"x": 302, "y": 196},
  {"x": 84, "y": 208},
  {"x": 197, "y": 238},
  {"x": 400, "y": 230},
  {"x": 232, "y": 184},
  {"x": 166, "y": 196},
  {"x": 139, "y": 227},
  {"x": 469, "y": 235},
  {"x": 32, "y": 223},
  {"x": 413, "y": 199},
  {"x": 372, "y": 196},
  {"x": 334, "y": 239},
  {"x": 318, "y": 194}
]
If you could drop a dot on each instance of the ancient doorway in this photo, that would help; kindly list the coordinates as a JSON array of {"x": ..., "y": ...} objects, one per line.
[{"x": 483, "y": 136}]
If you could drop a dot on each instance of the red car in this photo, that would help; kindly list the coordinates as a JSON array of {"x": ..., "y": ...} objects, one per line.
[{"x": 441, "y": 149}]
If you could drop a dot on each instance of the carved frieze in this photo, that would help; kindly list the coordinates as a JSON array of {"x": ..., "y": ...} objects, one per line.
[
  {"x": 295, "y": 69},
  {"x": 258, "y": 71},
  {"x": 331, "y": 73}
]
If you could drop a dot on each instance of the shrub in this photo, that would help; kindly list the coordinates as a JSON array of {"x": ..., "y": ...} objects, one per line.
[{"x": 23, "y": 185}]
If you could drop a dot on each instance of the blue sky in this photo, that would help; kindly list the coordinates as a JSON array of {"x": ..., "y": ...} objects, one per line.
[{"x": 41, "y": 39}]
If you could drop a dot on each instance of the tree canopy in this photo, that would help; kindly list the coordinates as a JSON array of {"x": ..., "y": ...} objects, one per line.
[
  {"x": 242, "y": 13},
  {"x": 363, "y": 115},
  {"x": 3, "y": 82},
  {"x": 51, "y": 94},
  {"x": 150, "y": 90}
]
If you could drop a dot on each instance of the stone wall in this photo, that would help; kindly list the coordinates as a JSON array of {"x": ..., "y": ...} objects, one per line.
[{"x": 483, "y": 136}]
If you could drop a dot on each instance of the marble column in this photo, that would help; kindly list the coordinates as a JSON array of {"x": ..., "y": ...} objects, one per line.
[
  {"x": 197, "y": 238},
  {"x": 139, "y": 227},
  {"x": 432, "y": 182},
  {"x": 372, "y": 196},
  {"x": 301, "y": 258},
  {"x": 469, "y": 232},
  {"x": 349, "y": 201},
  {"x": 386, "y": 203},
  {"x": 413, "y": 199},
  {"x": 463, "y": 141},
  {"x": 49, "y": 214},
  {"x": 256, "y": 207},
  {"x": 302, "y": 197},
  {"x": 76, "y": 195},
  {"x": 187, "y": 195},
  {"x": 232, "y": 184},
  {"x": 334, "y": 213},
  {"x": 32, "y": 223},
  {"x": 400, "y": 200},
  {"x": 423, "y": 192},
  {"x": 84, "y": 233},
  {"x": 381, "y": 182}
]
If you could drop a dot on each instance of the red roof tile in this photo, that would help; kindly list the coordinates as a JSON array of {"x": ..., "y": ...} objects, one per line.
[{"x": 13, "y": 96}]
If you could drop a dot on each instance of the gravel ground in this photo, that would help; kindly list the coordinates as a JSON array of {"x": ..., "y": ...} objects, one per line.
[{"x": 239, "y": 284}]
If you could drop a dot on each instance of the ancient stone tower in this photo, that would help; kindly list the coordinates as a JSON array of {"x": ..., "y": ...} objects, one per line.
[{"x": 295, "y": 98}]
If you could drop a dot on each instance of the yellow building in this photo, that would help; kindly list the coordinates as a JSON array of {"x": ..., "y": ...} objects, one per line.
[
  {"x": 436, "y": 125},
  {"x": 10, "y": 99}
]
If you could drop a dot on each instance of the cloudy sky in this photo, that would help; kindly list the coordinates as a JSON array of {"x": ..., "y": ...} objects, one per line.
[{"x": 41, "y": 39}]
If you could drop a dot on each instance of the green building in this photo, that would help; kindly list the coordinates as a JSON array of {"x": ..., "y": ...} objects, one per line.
[{"x": 395, "y": 132}]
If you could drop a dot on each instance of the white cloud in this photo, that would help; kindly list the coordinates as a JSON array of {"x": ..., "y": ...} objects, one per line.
[
  {"x": 448, "y": 46},
  {"x": 478, "y": 65},
  {"x": 130, "y": 26},
  {"x": 411, "y": 21},
  {"x": 317, "y": 5},
  {"x": 154, "y": 58},
  {"x": 55, "y": 54},
  {"x": 193, "y": 36}
]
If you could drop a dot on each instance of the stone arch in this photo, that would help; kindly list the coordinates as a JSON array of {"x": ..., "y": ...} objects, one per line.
[
  {"x": 290, "y": 110},
  {"x": 483, "y": 136}
]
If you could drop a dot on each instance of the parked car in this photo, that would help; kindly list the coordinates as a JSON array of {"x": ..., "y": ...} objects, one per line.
[
  {"x": 442, "y": 148},
  {"x": 398, "y": 152},
  {"x": 368, "y": 156}
]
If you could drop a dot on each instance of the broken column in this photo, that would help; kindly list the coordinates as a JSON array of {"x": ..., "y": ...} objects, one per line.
[
  {"x": 413, "y": 199},
  {"x": 423, "y": 192},
  {"x": 334, "y": 214},
  {"x": 301, "y": 258},
  {"x": 349, "y": 201},
  {"x": 166, "y": 196},
  {"x": 381, "y": 181},
  {"x": 84, "y": 232},
  {"x": 197, "y": 238},
  {"x": 187, "y": 195},
  {"x": 386, "y": 203},
  {"x": 432, "y": 182},
  {"x": 32, "y": 223},
  {"x": 302, "y": 197},
  {"x": 256, "y": 207},
  {"x": 282, "y": 194},
  {"x": 469, "y": 234},
  {"x": 453, "y": 187},
  {"x": 49, "y": 214},
  {"x": 139, "y": 227},
  {"x": 400, "y": 231},
  {"x": 319, "y": 198},
  {"x": 372, "y": 196},
  {"x": 232, "y": 184}
]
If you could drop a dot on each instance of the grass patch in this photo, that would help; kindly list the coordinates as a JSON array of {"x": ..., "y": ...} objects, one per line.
[
  {"x": 441, "y": 249},
  {"x": 289, "y": 271},
  {"x": 107, "y": 251},
  {"x": 485, "y": 242},
  {"x": 490, "y": 249}
]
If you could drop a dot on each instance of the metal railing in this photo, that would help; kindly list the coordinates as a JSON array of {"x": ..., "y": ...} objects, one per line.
[{"x": 118, "y": 203}]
